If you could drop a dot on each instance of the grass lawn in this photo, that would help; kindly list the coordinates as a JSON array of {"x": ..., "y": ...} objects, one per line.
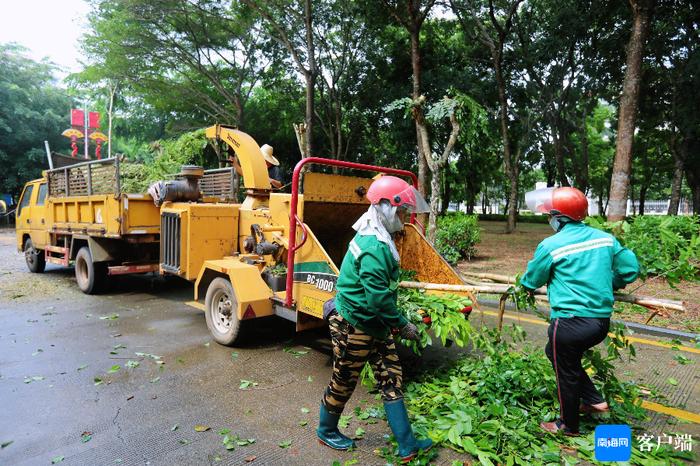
[{"x": 508, "y": 255}]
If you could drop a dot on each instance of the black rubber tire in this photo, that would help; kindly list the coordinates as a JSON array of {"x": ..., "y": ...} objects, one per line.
[
  {"x": 221, "y": 312},
  {"x": 90, "y": 276},
  {"x": 36, "y": 262}
]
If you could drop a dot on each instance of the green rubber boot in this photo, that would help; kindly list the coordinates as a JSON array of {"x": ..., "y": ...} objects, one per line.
[
  {"x": 397, "y": 417},
  {"x": 328, "y": 432}
]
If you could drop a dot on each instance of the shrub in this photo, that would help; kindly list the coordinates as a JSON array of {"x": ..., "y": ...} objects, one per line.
[
  {"x": 457, "y": 236},
  {"x": 666, "y": 246}
]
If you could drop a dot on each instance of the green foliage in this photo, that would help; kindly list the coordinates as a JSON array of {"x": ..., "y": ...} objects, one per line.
[
  {"x": 447, "y": 322},
  {"x": 32, "y": 109},
  {"x": 666, "y": 246},
  {"x": 170, "y": 155},
  {"x": 543, "y": 219},
  {"x": 457, "y": 236}
]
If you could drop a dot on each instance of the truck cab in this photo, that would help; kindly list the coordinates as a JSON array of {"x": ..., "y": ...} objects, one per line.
[{"x": 32, "y": 235}]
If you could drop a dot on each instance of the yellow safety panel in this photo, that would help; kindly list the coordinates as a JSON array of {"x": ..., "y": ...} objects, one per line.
[
  {"x": 324, "y": 187},
  {"x": 139, "y": 213},
  {"x": 251, "y": 291},
  {"x": 418, "y": 255}
]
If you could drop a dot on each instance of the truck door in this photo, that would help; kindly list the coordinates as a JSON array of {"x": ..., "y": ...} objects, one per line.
[
  {"x": 23, "y": 219},
  {"x": 37, "y": 214}
]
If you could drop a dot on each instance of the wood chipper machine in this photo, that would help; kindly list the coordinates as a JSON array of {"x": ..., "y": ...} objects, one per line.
[{"x": 277, "y": 253}]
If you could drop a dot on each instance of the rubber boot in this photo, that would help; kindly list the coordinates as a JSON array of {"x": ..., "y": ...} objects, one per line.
[
  {"x": 328, "y": 432},
  {"x": 397, "y": 417}
]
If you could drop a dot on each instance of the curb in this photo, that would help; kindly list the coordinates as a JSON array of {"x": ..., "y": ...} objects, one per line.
[{"x": 634, "y": 326}]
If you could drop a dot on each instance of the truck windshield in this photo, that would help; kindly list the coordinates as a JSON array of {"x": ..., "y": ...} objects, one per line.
[{"x": 26, "y": 197}]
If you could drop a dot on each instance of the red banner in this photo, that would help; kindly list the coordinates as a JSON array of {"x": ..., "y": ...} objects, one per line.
[
  {"x": 77, "y": 117},
  {"x": 94, "y": 120}
]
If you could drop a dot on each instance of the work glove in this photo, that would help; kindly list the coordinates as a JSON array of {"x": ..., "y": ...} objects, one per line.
[{"x": 410, "y": 332}]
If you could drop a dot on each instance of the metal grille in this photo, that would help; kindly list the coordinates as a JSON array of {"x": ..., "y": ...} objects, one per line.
[
  {"x": 170, "y": 242},
  {"x": 219, "y": 183},
  {"x": 85, "y": 179}
]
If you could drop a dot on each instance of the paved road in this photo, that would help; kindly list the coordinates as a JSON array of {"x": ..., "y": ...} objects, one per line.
[{"x": 55, "y": 342}]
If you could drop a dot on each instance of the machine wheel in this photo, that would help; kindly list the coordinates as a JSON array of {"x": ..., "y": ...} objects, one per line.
[
  {"x": 221, "y": 311},
  {"x": 89, "y": 275},
  {"x": 36, "y": 262}
]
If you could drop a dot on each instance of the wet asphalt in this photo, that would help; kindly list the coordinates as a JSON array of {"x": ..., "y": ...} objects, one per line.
[{"x": 62, "y": 394}]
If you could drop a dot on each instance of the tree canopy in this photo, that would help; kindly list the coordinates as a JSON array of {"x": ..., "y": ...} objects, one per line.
[{"x": 536, "y": 83}]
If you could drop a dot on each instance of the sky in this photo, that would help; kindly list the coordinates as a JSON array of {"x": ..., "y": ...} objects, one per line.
[{"x": 48, "y": 28}]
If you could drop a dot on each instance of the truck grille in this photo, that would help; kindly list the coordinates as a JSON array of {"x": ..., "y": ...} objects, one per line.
[{"x": 170, "y": 242}]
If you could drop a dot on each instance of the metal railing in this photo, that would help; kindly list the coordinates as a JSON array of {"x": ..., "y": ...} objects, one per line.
[{"x": 85, "y": 179}]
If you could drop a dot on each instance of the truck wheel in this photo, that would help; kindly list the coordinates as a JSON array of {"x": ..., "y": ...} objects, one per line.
[
  {"x": 221, "y": 311},
  {"x": 89, "y": 275},
  {"x": 36, "y": 262}
]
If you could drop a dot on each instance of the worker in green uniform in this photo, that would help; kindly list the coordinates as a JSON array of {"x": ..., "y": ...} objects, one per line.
[
  {"x": 581, "y": 267},
  {"x": 365, "y": 313}
]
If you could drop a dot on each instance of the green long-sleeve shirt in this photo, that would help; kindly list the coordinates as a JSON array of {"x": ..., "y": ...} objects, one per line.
[
  {"x": 581, "y": 267},
  {"x": 366, "y": 288}
]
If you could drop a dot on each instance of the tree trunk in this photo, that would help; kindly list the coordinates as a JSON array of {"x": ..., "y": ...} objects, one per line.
[
  {"x": 555, "y": 123},
  {"x": 642, "y": 198},
  {"x": 582, "y": 172},
  {"x": 510, "y": 165},
  {"x": 446, "y": 191},
  {"x": 675, "y": 201},
  {"x": 416, "y": 66},
  {"x": 619, "y": 183},
  {"x": 310, "y": 77},
  {"x": 112, "y": 91}
]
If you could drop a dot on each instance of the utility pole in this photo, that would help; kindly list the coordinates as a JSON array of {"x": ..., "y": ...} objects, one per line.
[{"x": 85, "y": 118}]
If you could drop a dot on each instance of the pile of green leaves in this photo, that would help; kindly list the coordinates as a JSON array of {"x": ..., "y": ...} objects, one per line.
[
  {"x": 169, "y": 156},
  {"x": 457, "y": 236},
  {"x": 490, "y": 405},
  {"x": 666, "y": 246}
]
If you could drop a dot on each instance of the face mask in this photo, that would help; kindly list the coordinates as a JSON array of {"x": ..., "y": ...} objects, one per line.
[
  {"x": 390, "y": 219},
  {"x": 554, "y": 223}
]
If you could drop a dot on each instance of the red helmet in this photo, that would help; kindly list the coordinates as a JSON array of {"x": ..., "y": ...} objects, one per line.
[
  {"x": 569, "y": 202},
  {"x": 398, "y": 193}
]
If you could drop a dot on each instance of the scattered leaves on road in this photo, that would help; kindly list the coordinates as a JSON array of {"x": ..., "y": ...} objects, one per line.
[
  {"x": 36, "y": 378},
  {"x": 234, "y": 355},
  {"x": 86, "y": 436},
  {"x": 207, "y": 344},
  {"x": 184, "y": 442},
  {"x": 672, "y": 381},
  {"x": 201, "y": 428},
  {"x": 683, "y": 360},
  {"x": 344, "y": 421},
  {"x": 295, "y": 353},
  {"x": 132, "y": 364},
  {"x": 305, "y": 410},
  {"x": 246, "y": 384},
  {"x": 155, "y": 380},
  {"x": 37, "y": 352},
  {"x": 174, "y": 428},
  {"x": 309, "y": 379},
  {"x": 359, "y": 433},
  {"x": 98, "y": 381},
  {"x": 57, "y": 459},
  {"x": 114, "y": 316},
  {"x": 114, "y": 369},
  {"x": 285, "y": 444},
  {"x": 4, "y": 445},
  {"x": 224, "y": 431},
  {"x": 303, "y": 423},
  {"x": 155, "y": 357},
  {"x": 180, "y": 360},
  {"x": 118, "y": 347},
  {"x": 249, "y": 459}
]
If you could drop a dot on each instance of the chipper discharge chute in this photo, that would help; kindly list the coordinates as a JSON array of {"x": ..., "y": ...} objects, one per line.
[{"x": 277, "y": 253}]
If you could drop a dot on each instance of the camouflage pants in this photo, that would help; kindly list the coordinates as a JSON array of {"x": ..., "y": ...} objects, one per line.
[{"x": 352, "y": 348}]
